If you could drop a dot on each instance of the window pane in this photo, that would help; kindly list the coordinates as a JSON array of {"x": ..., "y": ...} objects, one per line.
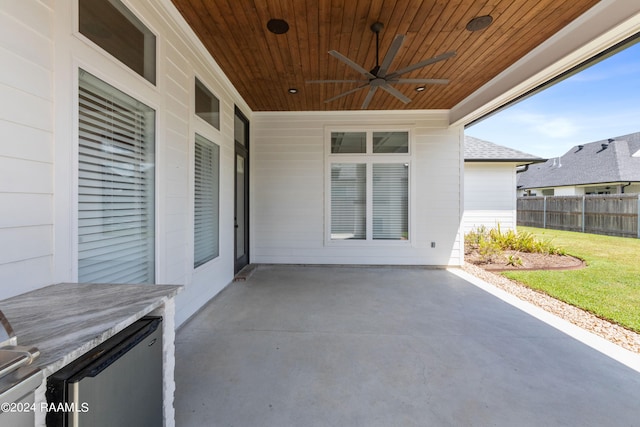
[
  {"x": 239, "y": 130},
  {"x": 391, "y": 142},
  {"x": 240, "y": 206},
  {"x": 348, "y": 201},
  {"x": 206, "y": 205},
  {"x": 390, "y": 201},
  {"x": 110, "y": 25},
  {"x": 348, "y": 142},
  {"x": 115, "y": 186},
  {"x": 207, "y": 105}
]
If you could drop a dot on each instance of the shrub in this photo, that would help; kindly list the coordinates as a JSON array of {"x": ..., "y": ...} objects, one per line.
[
  {"x": 514, "y": 260},
  {"x": 489, "y": 251},
  {"x": 493, "y": 242}
]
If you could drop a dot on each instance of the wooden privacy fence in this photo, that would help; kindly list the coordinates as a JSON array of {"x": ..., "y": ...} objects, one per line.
[{"x": 610, "y": 214}]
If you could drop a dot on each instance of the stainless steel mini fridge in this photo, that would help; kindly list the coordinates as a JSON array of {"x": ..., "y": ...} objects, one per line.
[{"x": 119, "y": 383}]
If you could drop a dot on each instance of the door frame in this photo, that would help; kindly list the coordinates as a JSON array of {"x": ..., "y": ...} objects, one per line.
[{"x": 243, "y": 151}]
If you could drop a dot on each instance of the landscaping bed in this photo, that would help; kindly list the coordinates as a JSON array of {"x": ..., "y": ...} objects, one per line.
[
  {"x": 528, "y": 261},
  {"x": 494, "y": 250}
]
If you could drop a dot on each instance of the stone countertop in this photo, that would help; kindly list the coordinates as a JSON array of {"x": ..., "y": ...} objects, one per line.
[{"x": 68, "y": 319}]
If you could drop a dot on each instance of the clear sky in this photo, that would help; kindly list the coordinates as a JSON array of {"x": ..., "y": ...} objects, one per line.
[{"x": 600, "y": 102}]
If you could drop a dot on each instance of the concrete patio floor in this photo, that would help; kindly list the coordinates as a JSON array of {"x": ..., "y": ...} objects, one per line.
[{"x": 354, "y": 346}]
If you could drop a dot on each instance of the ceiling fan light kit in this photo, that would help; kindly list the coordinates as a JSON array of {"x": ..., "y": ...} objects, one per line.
[{"x": 379, "y": 76}]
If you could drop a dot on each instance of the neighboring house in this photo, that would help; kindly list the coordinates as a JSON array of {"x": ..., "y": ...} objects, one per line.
[
  {"x": 490, "y": 183},
  {"x": 130, "y": 153},
  {"x": 610, "y": 166}
]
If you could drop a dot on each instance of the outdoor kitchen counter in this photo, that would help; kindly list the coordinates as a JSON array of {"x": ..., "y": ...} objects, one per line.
[{"x": 68, "y": 319}]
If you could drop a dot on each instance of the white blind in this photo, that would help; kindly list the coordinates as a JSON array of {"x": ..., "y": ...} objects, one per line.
[
  {"x": 390, "y": 201},
  {"x": 115, "y": 186},
  {"x": 348, "y": 201},
  {"x": 206, "y": 207}
]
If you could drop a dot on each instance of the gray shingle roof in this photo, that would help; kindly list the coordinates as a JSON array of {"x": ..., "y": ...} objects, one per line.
[
  {"x": 588, "y": 164},
  {"x": 478, "y": 150}
]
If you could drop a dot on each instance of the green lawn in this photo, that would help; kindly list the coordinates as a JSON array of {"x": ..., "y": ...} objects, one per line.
[{"x": 608, "y": 287}]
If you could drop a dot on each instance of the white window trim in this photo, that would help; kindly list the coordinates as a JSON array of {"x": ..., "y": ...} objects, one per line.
[
  {"x": 196, "y": 78},
  {"x": 199, "y": 126},
  {"x": 149, "y": 101},
  {"x": 142, "y": 94},
  {"x": 369, "y": 158},
  {"x": 98, "y": 49}
]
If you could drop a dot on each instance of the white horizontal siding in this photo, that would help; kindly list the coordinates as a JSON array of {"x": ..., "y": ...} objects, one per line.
[
  {"x": 24, "y": 209},
  {"x": 21, "y": 243},
  {"x": 288, "y": 191},
  {"x": 24, "y": 142},
  {"x": 506, "y": 219},
  {"x": 26, "y": 147},
  {"x": 25, "y": 176},
  {"x": 39, "y": 46},
  {"x": 26, "y": 109},
  {"x": 26, "y": 29},
  {"x": 32, "y": 78},
  {"x": 24, "y": 275},
  {"x": 489, "y": 195},
  {"x": 34, "y": 13}
]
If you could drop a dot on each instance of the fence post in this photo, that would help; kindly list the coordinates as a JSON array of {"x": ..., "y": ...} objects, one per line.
[
  {"x": 584, "y": 198},
  {"x": 638, "y": 215},
  {"x": 544, "y": 212}
]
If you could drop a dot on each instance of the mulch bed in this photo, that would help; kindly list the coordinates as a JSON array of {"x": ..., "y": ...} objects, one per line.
[{"x": 530, "y": 261}]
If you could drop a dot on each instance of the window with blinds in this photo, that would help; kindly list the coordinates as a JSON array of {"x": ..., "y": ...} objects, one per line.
[
  {"x": 348, "y": 201},
  {"x": 116, "y": 238},
  {"x": 369, "y": 187},
  {"x": 390, "y": 201},
  {"x": 206, "y": 206}
]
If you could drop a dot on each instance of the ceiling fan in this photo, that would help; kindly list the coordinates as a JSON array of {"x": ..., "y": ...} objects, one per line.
[{"x": 379, "y": 76}]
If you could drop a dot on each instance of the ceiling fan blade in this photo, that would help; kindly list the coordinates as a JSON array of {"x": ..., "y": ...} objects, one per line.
[
  {"x": 336, "y": 81},
  {"x": 367, "y": 100},
  {"x": 390, "y": 56},
  {"x": 350, "y": 63},
  {"x": 421, "y": 81},
  {"x": 395, "y": 92},
  {"x": 421, "y": 64},
  {"x": 346, "y": 93}
]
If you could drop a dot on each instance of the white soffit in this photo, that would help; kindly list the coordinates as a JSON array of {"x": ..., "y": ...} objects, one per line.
[{"x": 604, "y": 25}]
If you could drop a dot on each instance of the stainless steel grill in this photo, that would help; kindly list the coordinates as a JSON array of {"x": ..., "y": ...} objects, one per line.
[{"x": 18, "y": 378}]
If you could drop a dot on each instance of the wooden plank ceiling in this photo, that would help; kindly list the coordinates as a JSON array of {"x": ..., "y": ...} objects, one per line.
[{"x": 263, "y": 66}]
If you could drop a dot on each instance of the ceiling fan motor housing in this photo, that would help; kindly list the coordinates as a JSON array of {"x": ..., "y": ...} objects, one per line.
[
  {"x": 376, "y": 27},
  {"x": 379, "y": 76}
]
